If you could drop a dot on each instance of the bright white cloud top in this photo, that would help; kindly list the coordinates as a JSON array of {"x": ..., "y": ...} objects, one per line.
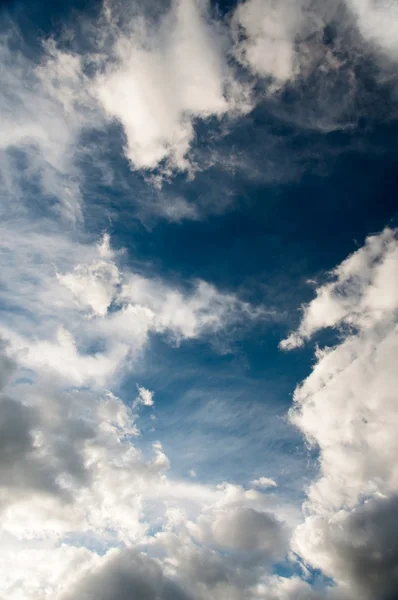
[{"x": 90, "y": 507}]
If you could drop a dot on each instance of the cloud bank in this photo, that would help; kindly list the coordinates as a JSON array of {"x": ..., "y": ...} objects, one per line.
[{"x": 347, "y": 408}]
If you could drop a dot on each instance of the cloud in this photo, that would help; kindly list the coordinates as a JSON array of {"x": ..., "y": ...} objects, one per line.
[
  {"x": 124, "y": 575},
  {"x": 115, "y": 504},
  {"x": 347, "y": 408},
  {"x": 43, "y": 108},
  {"x": 270, "y": 29},
  {"x": 85, "y": 318},
  {"x": 145, "y": 397},
  {"x": 361, "y": 293},
  {"x": 72, "y": 472},
  {"x": 40, "y": 573},
  {"x": 285, "y": 40},
  {"x": 264, "y": 482},
  {"x": 292, "y": 588},
  {"x": 247, "y": 529},
  {"x": 164, "y": 78},
  {"x": 376, "y": 21},
  {"x": 94, "y": 286},
  {"x": 359, "y": 547},
  {"x": 282, "y": 41},
  {"x": 308, "y": 58},
  {"x": 87, "y": 509}
]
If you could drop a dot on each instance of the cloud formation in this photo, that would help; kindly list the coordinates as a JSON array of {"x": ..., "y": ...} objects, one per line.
[
  {"x": 89, "y": 508},
  {"x": 347, "y": 408},
  {"x": 163, "y": 79}
]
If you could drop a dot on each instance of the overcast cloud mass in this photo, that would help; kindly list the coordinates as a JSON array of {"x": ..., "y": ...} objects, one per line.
[{"x": 199, "y": 300}]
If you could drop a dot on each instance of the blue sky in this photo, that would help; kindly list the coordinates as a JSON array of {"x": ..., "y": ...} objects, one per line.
[{"x": 198, "y": 299}]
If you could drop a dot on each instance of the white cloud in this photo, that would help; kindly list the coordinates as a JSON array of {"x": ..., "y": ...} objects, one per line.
[
  {"x": 71, "y": 470},
  {"x": 163, "y": 80},
  {"x": 282, "y": 40},
  {"x": 84, "y": 318},
  {"x": 145, "y": 397},
  {"x": 377, "y": 22},
  {"x": 270, "y": 30},
  {"x": 347, "y": 408},
  {"x": 264, "y": 482},
  {"x": 41, "y": 573},
  {"x": 95, "y": 285},
  {"x": 43, "y": 110},
  {"x": 99, "y": 490},
  {"x": 363, "y": 291}
]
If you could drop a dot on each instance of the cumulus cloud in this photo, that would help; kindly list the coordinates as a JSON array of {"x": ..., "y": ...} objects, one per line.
[
  {"x": 98, "y": 486},
  {"x": 264, "y": 482},
  {"x": 347, "y": 408},
  {"x": 160, "y": 78},
  {"x": 243, "y": 529},
  {"x": 94, "y": 286},
  {"x": 145, "y": 397},
  {"x": 71, "y": 470},
  {"x": 308, "y": 57},
  {"x": 377, "y": 23},
  {"x": 362, "y": 291},
  {"x": 162, "y": 81},
  {"x": 284, "y": 40},
  {"x": 126, "y": 574},
  {"x": 86, "y": 511},
  {"x": 270, "y": 29},
  {"x": 155, "y": 77},
  {"x": 84, "y": 318}
]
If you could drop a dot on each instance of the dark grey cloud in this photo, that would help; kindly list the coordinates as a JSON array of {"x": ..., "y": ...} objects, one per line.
[
  {"x": 364, "y": 547},
  {"x": 37, "y": 451},
  {"x": 34, "y": 457}
]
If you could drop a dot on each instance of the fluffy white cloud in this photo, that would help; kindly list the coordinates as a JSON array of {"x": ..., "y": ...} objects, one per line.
[
  {"x": 84, "y": 511},
  {"x": 377, "y": 22},
  {"x": 282, "y": 40},
  {"x": 41, "y": 572},
  {"x": 270, "y": 29},
  {"x": 264, "y": 482},
  {"x": 347, "y": 408},
  {"x": 363, "y": 291},
  {"x": 145, "y": 397},
  {"x": 163, "y": 78},
  {"x": 94, "y": 286},
  {"x": 86, "y": 321}
]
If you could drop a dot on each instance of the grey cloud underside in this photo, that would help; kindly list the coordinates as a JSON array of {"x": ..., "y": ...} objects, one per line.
[
  {"x": 37, "y": 452},
  {"x": 127, "y": 576},
  {"x": 366, "y": 549}
]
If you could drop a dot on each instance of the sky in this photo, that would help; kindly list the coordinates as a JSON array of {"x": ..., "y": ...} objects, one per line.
[{"x": 198, "y": 300}]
